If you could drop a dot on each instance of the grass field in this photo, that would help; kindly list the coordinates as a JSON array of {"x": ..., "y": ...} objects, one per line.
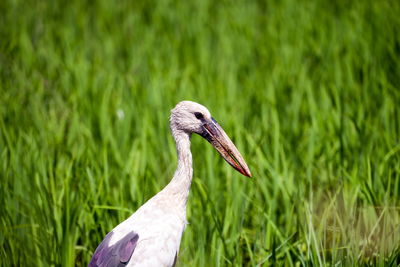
[{"x": 309, "y": 91}]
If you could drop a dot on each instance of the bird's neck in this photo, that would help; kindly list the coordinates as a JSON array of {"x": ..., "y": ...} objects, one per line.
[{"x": 179, "y": 186}]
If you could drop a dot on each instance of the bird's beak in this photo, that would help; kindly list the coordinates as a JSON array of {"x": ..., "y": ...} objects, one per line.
[{"x": 214, "y": 134}]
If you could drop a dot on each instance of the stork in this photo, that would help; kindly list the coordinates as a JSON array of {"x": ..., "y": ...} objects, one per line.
[{"x": 151, "y": 236}]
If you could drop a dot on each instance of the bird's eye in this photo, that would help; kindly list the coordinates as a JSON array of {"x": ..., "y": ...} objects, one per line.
[{"x": 199, "y": 115}]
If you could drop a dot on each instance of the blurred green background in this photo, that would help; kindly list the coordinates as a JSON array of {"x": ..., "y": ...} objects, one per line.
[{"x": 309, "y": 91}]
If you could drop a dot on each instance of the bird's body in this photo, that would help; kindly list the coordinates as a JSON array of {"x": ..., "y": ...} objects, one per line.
[{"x": 151, "y": 236}]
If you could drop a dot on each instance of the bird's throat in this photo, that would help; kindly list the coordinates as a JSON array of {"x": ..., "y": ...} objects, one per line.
[{"x": 179, "y": 186}]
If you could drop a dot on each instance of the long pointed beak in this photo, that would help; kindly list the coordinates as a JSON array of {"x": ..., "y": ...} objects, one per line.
[{"x": 214, "y": 134}]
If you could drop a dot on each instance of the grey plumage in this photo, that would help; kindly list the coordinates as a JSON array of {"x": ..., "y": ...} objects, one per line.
[{"x": 116, "y": 255}]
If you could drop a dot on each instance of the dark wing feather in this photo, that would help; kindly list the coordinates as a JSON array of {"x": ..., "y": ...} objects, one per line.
[{"x": 116, "y": 255}]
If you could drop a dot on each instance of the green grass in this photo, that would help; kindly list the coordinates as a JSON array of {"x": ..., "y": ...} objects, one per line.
[{"x": 308, "y": 90}]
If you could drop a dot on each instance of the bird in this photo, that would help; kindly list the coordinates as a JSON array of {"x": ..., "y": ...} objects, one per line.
[{"x": 151, "y": 236}]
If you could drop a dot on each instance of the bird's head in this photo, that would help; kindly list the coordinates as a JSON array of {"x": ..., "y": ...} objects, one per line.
[
  {"x": 188, "y": 116},
  {"x": 191, "y": 117}
]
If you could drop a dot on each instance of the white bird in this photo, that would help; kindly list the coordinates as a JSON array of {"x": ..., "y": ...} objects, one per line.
[{"x": 151, "y": 236}]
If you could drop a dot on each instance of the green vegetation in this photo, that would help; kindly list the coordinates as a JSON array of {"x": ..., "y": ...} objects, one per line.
[{"x": 309, "y": 91}]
